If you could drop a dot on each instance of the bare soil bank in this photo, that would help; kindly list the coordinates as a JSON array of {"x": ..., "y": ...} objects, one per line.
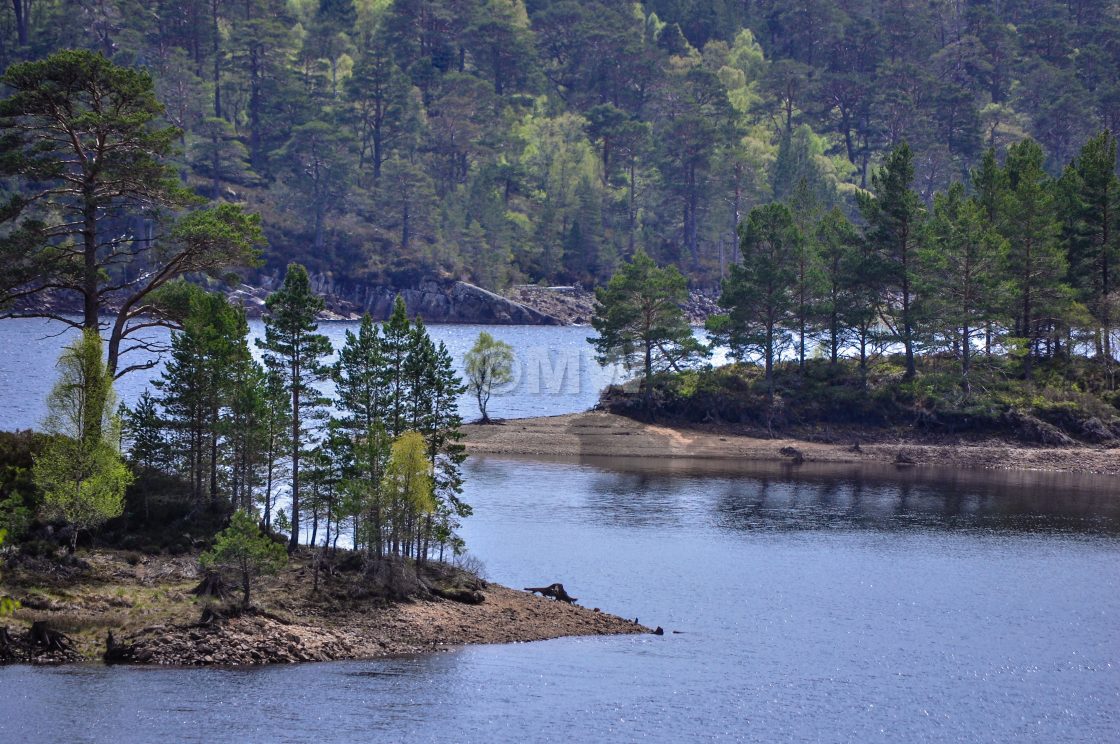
[
  {"x": 598, "y": 434},
  {"x": 146, "y": 603}
]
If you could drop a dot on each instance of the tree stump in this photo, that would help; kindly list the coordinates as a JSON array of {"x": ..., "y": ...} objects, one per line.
[
  {"x": 9, "y": 649},
  {"x": 118, "y": 653},
  {"x": 556, "y": 591},
  {"x": 212, "y": 585},
  {"x": 49, "y": 640}
]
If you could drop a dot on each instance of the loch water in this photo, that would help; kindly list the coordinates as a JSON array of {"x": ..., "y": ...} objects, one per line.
[{"x": 813, "y": 603}]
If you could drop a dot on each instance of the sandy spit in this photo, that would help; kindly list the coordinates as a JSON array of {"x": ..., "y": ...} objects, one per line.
[{"x": 601, "y": 434}]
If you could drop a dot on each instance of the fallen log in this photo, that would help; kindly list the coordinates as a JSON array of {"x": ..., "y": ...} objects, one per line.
[{"x": 556, "y": 591}]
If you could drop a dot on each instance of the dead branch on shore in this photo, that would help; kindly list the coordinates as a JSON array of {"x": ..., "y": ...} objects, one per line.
[{"x": 555, "y": 591}]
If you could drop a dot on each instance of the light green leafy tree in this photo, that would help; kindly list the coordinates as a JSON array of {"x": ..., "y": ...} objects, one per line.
[
  {"x": 407, "y": 487},
  {"x": 242, "y": 548},
  {"x": 80, "y": 471},
  {"x": 489, "y": 365}
]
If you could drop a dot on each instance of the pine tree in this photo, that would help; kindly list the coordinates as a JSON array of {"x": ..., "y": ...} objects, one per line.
[
  {"x": 1035, "y": 262},
  {"x": 295, "y": 351},
  {"x": 894, "y": 217},
  {"x": 639, "y": 320},
  {"x": 1093, "y": 245},
  {"x": 276, "y": 432},
  {"x": 445, "y": 453},
  {"x": 842, "y": 303},
  {"x": 759, "y": 295},
  {"x": 395, "y": 339},
  {"x": 242, "y": 548},
  {"x": 361, "y": 400},
  {"x": 143, "y": 430},
  {"x": 198, "y": 384},
  {"x": 961, "y": 275},
  {"x": 83, "y": 138}
]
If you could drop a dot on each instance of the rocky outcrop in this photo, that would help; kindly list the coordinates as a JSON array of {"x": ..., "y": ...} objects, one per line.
[
  {"x": 575, "y": 305},
  {"x": 434, "y": 300},
  {"x": 453, "y": 302}
]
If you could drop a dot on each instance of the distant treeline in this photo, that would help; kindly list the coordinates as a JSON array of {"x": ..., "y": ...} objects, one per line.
[
  {"x": 502, "y": 140},
  {"x": 1023, "y": 268}
]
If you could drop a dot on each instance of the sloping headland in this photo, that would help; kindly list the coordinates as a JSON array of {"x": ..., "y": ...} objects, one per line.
[{"x": 147, "y": 603}]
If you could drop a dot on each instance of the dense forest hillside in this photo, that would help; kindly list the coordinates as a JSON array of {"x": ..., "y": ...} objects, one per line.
[{"x": 509, "y": 141}]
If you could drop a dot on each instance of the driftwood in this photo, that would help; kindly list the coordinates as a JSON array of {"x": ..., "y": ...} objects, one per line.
[
  {"x": 49, "y": 640},
  {"x": 556, "y": 591},
  {"x": 793, "y": 454}
]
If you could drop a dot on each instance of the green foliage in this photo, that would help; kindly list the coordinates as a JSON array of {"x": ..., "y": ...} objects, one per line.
[
  {"x": 80, "y": 471},
  {"x": 639, "y": 320},
  {"x": 207, "y": 393},
  {"x": 388, "y": 384},
  {"x": 507, "y": 141},
  {"x": 244, "y": 549},
  {"x": 759, "y": 296},
  {"x": 294, "y": 352},
  {"x": 894, "y": 214},
  {"x": 86, "y": 149},
  {"x": 489, "y": 363},
  {"x": 959, "y": 275},
  {"x": 7, "y": 605},
  {"x": 20, "y": 498},
  {"x": 825, "y": 399},
  {"x": 407, "y": 482}
]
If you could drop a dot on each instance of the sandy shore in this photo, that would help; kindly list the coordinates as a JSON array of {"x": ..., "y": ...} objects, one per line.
[{"x": 601, "y": 434}]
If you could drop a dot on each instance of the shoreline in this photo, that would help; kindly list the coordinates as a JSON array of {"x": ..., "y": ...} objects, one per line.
[
  {"x": 602, "y": 434},
  {"x": 146, "y": 604}
]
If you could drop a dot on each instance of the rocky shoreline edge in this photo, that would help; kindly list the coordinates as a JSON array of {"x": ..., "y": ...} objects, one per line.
[
  {"x": 120, "y": 609},
  {"x": 420, "y": 626}
]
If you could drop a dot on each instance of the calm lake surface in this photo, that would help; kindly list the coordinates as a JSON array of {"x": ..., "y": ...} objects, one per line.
[{"x": 815, "y": 604}]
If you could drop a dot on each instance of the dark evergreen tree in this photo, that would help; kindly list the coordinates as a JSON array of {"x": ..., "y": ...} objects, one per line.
[
  {"x": 640, "y": 323},
  {"x": 759, "y": 295},
  {"x": 295, "y": 351},
  {"x": 894, "y": 215}
]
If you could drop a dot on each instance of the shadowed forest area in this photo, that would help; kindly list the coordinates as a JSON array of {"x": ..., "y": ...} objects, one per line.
[{"x": 506, "y": 141}]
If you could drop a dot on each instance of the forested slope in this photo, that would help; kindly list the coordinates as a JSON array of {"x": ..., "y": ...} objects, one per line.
[{"x": 505, "y": 141}]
